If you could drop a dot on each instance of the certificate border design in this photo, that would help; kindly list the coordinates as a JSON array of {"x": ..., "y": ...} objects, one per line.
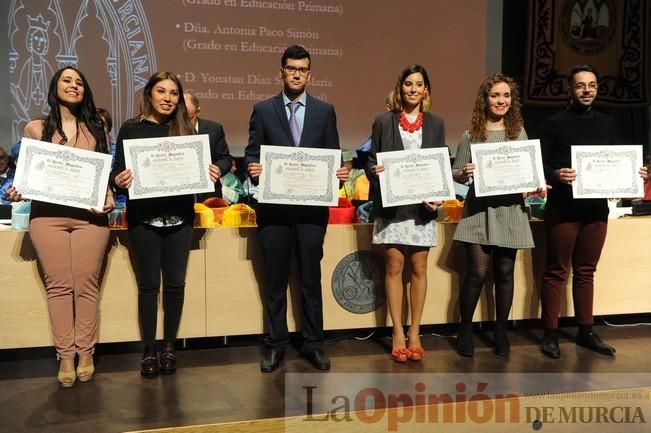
[
  {"x": 392, "y": 196},
  {"x": 168, "y": 146},
  {"x": 607, "y": 153},
  {"x": 299, "y": 156},
  {"x": 68, "y": 156},
  {"x": 529, "y": 149}
]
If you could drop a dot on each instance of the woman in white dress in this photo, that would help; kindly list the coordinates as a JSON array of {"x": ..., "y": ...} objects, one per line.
[{"x": 407, "y": 232}]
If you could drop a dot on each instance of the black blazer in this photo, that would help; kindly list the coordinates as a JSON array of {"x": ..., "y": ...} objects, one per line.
[
  {"x": 269, "y": 126},
  {"x": 219, "y": 153},
  {"x": 386, "y": 137}
]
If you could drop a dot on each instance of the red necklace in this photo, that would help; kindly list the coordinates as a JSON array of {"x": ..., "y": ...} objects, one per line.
[{"x": 411, "y": 126}]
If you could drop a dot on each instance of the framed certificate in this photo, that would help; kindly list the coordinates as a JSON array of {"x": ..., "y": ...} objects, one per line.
[
  {"x": 62, "y": 175},
  {"x": 299, "y": 175},
  {"x": 607, "y": 171},
  {"x": 411, "y": 176},
  {"x": 166, "y": 166},
  {"x": 508, "y": 167}
]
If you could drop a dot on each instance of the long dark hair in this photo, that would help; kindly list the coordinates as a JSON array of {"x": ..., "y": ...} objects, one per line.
[
  {"x": 85, "y": 113},
  {"x": 426, "y": 103},
  {"x": 513, "y": 122},
  {"x": 179, "y": 121}
]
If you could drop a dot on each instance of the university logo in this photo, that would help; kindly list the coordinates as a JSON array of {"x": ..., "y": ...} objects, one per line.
[
  {"x": 108, "y": 40},
  {"x": 358, "y": 282},
  {"x": 588, "y": 26}
]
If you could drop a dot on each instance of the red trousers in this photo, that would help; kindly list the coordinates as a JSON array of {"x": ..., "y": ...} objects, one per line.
[{"x": 575, "y": 243}]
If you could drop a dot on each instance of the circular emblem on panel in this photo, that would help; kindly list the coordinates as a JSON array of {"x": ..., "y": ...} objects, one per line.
[
  {"x": 358, "y": 282},
  {"x": 108, "y": 40},
  {"x": 588, "y": 26}
]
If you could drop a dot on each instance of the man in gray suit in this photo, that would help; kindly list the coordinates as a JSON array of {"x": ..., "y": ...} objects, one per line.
[{"x": 292, "y": 118}]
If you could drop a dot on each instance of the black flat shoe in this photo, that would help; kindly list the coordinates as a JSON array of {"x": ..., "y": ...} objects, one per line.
[
  {"x": 149, "y": 364},
  {"x": 167, "y": 363},
  {"x": 318, "y": 359},
  {"x": 465, "y": 344},
  {"x": 271, "y": 360},
  {"x": 502, "y": 345},
  {"x": 592, "y": 341},
  {"x": 550, "y": 346}
]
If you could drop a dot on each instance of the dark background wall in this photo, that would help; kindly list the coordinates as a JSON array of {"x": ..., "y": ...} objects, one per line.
[{"x": 634, "y": 122}]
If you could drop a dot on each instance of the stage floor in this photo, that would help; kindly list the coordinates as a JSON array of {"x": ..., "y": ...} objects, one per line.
[{"x": 220, "y": 384}]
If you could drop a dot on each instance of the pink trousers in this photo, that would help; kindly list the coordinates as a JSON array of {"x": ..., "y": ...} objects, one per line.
[{"x": 70, "y": 252}]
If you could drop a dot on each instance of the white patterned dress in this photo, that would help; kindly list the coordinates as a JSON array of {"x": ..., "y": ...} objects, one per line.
[{"x": 406, "y": 228}]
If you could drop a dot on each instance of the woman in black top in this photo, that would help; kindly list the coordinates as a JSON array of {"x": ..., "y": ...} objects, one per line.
[{"x": 160, "y": 229}]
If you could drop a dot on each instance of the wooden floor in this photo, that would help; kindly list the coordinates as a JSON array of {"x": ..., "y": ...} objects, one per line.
[{"x": 217, "y": 383}]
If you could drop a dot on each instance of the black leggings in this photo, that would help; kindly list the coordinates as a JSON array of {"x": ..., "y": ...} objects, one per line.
[
  {"x": 155, "y": 250},
  {"x": 478, "y": 261}
]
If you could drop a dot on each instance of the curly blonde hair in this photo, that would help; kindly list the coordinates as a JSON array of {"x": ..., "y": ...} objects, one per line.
[{"x": 513, "y": 121}]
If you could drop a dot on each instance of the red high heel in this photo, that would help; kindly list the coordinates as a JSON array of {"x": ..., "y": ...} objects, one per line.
[
  {"x": 401, "y": 354},
  {"x": 416, "y": 353}
]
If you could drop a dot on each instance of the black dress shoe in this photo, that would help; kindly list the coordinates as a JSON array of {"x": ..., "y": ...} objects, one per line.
[
  {"x": 550, "y": 345},
  {"x": 318, "y": 359},
  {"x": 271, "y": 360},
  {"x": 149, "y": 364},
  {"x": 591, "y": 341},
  {"x": 465, "y": 345},
  {"x": 502, "y": 345},
  {"x": 168, "y": 361}
]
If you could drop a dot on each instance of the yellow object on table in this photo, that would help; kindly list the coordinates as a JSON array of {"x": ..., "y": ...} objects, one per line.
[
  {"x": 239, "y": 215},
  {"x": 203, "y": 216},
  {"x": 452, "y": 210}
]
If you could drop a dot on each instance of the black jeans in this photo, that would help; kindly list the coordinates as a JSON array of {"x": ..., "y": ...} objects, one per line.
[{"x": 156, "y": 250}]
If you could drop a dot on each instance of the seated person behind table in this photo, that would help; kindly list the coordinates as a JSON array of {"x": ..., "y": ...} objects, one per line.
[
  {"x": 7, "y": 171},
  {"x": 219, "y": 152},
  {"x": 357, "y": 185},
  {"x": 232, "y": 188}
]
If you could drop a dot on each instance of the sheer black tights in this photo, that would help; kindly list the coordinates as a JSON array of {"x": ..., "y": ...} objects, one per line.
[{"x": 478, "y": 260}]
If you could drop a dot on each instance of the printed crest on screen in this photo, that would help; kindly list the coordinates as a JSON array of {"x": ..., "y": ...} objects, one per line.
[{"x": 108, "y": 40}]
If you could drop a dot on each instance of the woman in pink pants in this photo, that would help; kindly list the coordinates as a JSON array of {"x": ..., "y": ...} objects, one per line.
[{"x": 70, "y": 243}]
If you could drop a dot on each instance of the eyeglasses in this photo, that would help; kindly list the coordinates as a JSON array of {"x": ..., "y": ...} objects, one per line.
[
  {"x": 582, "y": 86},
  {"x": 291, "y": 70}
]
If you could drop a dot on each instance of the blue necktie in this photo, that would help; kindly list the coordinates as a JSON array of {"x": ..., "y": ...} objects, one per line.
[{"x": 293, "y": 122}]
